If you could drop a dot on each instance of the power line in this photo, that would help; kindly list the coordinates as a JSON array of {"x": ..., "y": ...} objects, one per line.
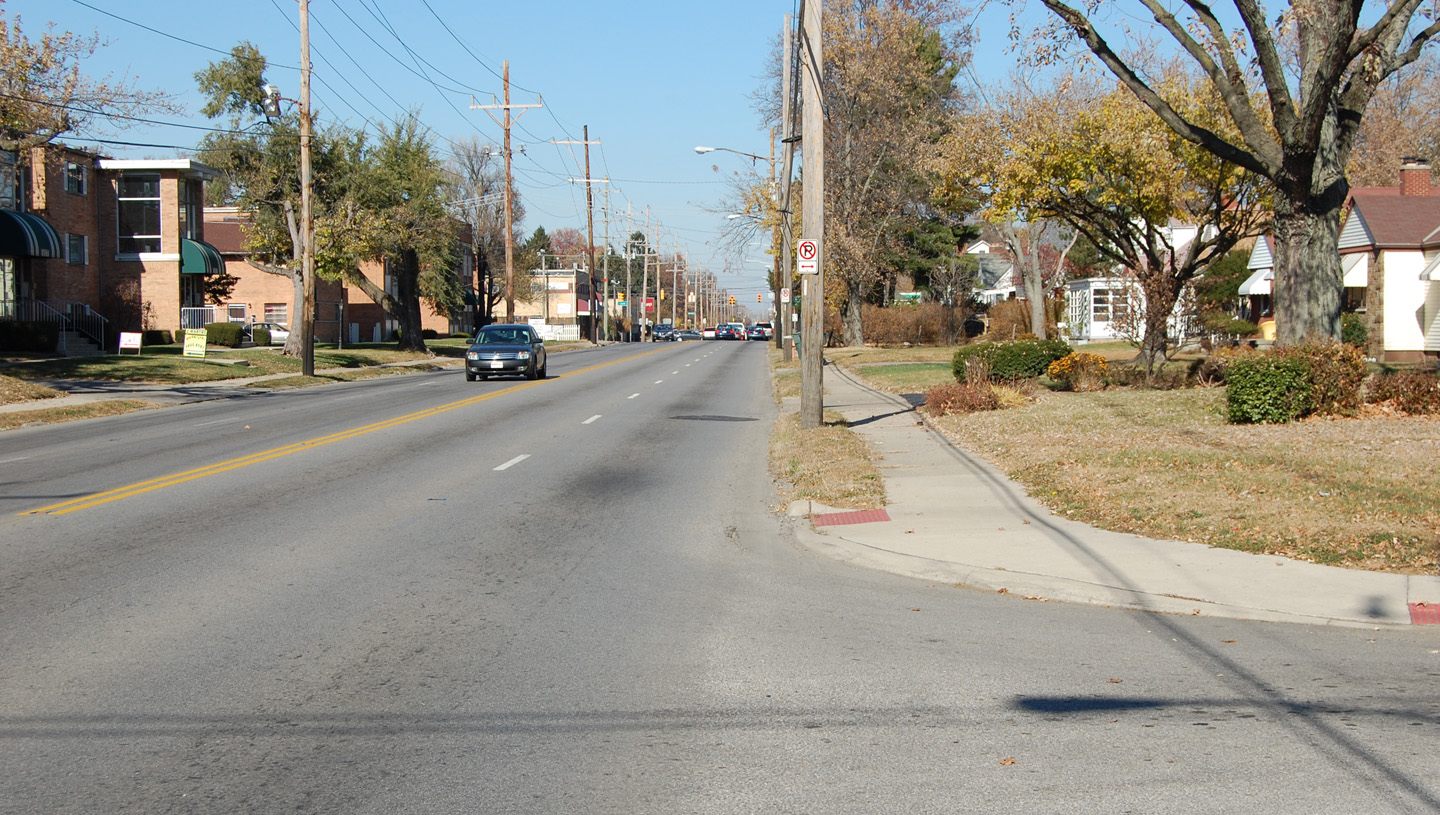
[{"x": 163, "y": 33}]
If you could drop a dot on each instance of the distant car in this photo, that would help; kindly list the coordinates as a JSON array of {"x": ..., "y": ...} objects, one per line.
[
  {"x": 737, "y": 331},
  {"x": 689, "y": 334},
  {"x": 278, "y": 333},
  {"x": 768, "y": 329},
  {"x": 708, "y": 333},
  {"x": 725, "y": 332},
  {"x": 505, "y": 350},
  {"x": 663, "y": 333},
  {"x": 755, "y": 332}
]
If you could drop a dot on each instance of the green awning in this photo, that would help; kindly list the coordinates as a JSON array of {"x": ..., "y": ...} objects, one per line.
[
  {"x": 28, "y": 236},
  {"x": 199, "y": 257},
  {"x": 472, "y": 298}
]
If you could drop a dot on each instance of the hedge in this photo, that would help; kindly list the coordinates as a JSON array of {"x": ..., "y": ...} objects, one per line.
[
  {"x": 226, "y": 334},
  {"x": 1008, "y": 361}
]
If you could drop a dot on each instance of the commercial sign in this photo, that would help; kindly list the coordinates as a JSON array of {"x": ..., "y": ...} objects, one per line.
[
  {"x": 130, "y": 339},
  {"x": 649, "y": 304},
  {"x": 195, "y": 342}
]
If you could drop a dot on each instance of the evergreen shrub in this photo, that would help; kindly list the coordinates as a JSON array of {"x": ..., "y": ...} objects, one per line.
[{"x": 225, "y": 334}]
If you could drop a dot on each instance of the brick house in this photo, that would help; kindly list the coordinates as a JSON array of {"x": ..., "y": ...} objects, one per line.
[
  {"x": 343, "y": 312},
  {"x": 109, "y": 245}
]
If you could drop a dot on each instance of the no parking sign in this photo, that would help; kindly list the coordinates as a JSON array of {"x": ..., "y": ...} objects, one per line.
[{"x": 807, "y": 256}]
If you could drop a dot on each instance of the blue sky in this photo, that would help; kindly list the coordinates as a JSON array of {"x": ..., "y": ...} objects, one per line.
[{"x": 651, "y": 79}]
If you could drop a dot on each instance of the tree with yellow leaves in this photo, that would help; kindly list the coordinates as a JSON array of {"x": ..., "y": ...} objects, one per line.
[{"x": 1090, "y": 155}]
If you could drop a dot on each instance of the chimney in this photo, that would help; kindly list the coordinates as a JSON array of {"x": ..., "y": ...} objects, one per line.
[{"x": 1414, "y": 176}]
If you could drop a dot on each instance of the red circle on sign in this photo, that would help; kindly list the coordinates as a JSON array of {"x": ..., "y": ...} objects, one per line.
[{"x": 807, "y": 250}]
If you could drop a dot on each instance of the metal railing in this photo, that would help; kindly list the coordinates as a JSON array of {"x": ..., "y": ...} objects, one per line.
[
  {"x": 84, "y": 320},
  {"x": 197, "y": 317}
]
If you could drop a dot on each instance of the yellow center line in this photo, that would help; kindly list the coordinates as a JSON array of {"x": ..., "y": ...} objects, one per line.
[{"x": 96, "y": 499}]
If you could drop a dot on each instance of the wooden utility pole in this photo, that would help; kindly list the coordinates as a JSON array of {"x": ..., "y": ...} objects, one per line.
[
  {"x": 784, "y": 325},
  {"x": 589, "y": 224},
  {"x": 812, "y": 306},
  {"x": 307, "y": 207},
  {"x": 509, "y": 186}
]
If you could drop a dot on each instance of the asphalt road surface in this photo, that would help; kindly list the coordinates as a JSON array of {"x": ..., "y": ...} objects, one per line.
[{"x": 421, "y": 595}]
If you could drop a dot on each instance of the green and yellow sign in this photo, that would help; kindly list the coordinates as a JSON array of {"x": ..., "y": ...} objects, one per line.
[{"x": 195, "y": 342}]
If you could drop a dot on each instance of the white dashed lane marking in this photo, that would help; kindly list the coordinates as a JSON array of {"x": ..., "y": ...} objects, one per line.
[
  {"x": 591, "y": 419},
  {"x": 632, "y": 396},
  {"x": 512, "y": 462}
]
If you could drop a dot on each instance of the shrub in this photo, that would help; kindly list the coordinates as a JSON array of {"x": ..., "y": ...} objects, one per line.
[
  {"x": 19, "y": 335},
  {"x": 919, "y": 324},
  {"x": 260, "y": 336},
  {"x": 1412, "y": 392},
  {"x": 1212, "y": 370},
  {"x": 226, "y": 334},
  {"x": 157, "y": 336},
  {"x": 429, "y": 334},
  {"x": 1079, "y": 371},
  {"x": 1353, "y": 330},
  {"x": 1267, "y": 388},
  {"x": 1228, "y": 325},
  {"x": 960, "y": 397},
  {"x": 1337, "y": 374},
  {"x": 1008, "y": 361}
]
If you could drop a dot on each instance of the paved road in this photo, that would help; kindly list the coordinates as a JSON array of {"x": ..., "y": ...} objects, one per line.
[{"x": 361, "y": 599}]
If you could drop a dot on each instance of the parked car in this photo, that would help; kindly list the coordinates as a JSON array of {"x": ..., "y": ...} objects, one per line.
[
  {"x": 278, "y": 333},
  {"x": 505, "y": 350},
  {"x": 755, "y": 332},
  {"x": 689, "y": 334}
]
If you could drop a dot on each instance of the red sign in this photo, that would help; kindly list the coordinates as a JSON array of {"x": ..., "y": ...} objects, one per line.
[{"x": 649, "y": 304}]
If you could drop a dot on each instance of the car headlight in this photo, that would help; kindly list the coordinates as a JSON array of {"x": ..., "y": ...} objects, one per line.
[
  {"x": 522, "y": 355},
  {"x": 472, "y": 354}
]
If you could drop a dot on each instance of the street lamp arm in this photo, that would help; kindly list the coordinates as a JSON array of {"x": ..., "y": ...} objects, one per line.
[{"x": 703, "y": 150}]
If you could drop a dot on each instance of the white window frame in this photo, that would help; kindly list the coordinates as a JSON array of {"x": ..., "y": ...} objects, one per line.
[
  {"x": 76, "y": 178},
  {"x": 277, "y": 313},
  {"x": 121, "y": 199}
]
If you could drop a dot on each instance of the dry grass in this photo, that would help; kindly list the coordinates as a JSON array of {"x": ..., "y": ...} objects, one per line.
[
  {"x": 86, "y": 410},
  {"x": 340, "y": 376},
  {"x": 830, "y": 464},
  {"x": 1352, "y": 492},
  {"x": 14, "y": 390}
]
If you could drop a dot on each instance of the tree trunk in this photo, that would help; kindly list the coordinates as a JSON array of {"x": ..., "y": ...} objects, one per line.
[
  {"x": 1309, "y": 285},
  {"x": 854, "y": 321},
  {"x": 407, "y": 289},
  {"x": 1160, "y": 297}
]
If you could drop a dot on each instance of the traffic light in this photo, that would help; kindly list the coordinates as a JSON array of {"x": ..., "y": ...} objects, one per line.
[
  {"x": 662, "y": 295},
  {"x": 759, "y": 298},
  {"x": 732, "y": 299}
]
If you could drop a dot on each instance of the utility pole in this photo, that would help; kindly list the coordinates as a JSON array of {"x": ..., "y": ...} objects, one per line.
[
  {"x": 509, "y": 186},
  {"x": 784, "y": 328},
  {"x": 589, "y": 220},
  {"x": 307, "y": 206},
  {"x": 812, "y": 325},
  {"x": 605, "y": 302}
]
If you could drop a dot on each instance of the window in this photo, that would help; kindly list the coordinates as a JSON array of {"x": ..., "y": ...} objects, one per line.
[
  {"x": 277, "y": 313},
  {"x": 75, "y": 177},
  {"x": 138, "y": 213},
  {"x": 191, "y": 206},
  {"x": 75, "y": 249}
]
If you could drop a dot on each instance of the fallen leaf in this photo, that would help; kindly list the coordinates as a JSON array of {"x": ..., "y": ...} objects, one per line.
[
  {"x": 1003, "y": 591},
  {"x": 1195, "y": 613},
  {"x": 1115, "y": 681},
  {"x": 1008, "y": 761},
  {"x": 1227, "y": 640},
  {"x": 914, "y": 609},
  {"x": 1023, "y": 521}
]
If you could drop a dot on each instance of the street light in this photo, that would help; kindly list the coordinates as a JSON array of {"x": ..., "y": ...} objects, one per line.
[{"x": 782, "y": 261}]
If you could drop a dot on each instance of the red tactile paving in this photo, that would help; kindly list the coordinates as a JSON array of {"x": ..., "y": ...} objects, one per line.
[
  {"x": 863, "y": 516},
  {"x": 1425, "y": 613}
]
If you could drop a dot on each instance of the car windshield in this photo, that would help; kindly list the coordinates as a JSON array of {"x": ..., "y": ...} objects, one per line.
[{"x": 502, "y": 336}]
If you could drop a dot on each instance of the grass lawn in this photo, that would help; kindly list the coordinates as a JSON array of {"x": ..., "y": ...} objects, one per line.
[
  {"x": 63, "y": 413},
  {"x": 1351, "y": 492},
  {"x": 165, "y": 364}
]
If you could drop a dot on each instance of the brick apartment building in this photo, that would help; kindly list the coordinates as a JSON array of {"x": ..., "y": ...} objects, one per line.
[{"x": 107, "y": 245}]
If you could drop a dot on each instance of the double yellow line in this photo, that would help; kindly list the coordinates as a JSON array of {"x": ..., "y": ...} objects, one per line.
[{"x": 96, "y": 499}]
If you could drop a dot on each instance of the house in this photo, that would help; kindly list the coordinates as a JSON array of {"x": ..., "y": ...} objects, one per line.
[
  {"x": 102, "y": 245},
  {"x": 1113, "y": 307},
  {"x": 1389, "y": 245},
  {"x": 343, "y": 312},
  {"x": 1389, "y": 254},
  {"x": 995, "y": 280}
]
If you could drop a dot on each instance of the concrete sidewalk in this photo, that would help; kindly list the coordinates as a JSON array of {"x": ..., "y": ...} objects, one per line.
[{"x": 952, "y": 518}]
